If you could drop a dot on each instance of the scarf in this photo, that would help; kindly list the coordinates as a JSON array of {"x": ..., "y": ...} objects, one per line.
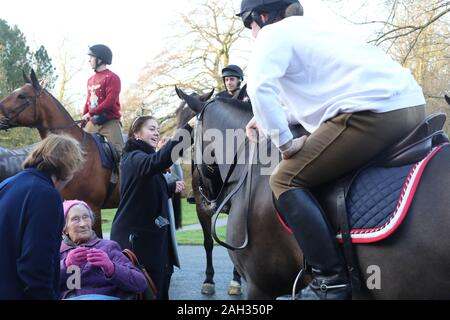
[{"x": 134, "y": 144}]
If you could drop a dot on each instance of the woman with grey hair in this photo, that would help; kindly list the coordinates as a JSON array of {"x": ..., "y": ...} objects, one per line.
[{"x": 105, "y": 272}]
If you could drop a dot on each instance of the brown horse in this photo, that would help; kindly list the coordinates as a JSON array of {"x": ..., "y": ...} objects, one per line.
[
  {"x": 412, "y": 263},
  {"x": 33, "y": 106}
]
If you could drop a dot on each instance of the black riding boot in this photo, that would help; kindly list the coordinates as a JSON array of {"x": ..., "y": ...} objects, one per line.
[{"x": 318, "y": 243}]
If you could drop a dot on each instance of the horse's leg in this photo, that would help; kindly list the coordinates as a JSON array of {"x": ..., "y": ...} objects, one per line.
[
  {"x": 234, "y": 288},
  {"x": 205, "y": 221}
]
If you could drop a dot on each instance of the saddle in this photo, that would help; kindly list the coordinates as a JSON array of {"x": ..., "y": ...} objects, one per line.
[
  {"x": 411, "y": 149},
  {"x": 389, "y": 170},
  {"x": 418, "y": 143},
  {"x": 110, "y": 158}
]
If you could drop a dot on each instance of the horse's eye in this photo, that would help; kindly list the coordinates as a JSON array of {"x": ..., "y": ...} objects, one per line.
[{"x": 21, "y": 96}]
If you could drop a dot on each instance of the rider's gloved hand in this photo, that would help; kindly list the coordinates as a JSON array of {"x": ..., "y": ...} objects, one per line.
[{"x": 292, "y": 147}]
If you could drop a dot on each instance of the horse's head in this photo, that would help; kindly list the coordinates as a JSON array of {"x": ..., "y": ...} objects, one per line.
[
  {"x": 34, "y": 107},
  {"x": 216, "y": 151},
  {"x": 20, "y": 107},
  {"x": 192, "y": 104}
]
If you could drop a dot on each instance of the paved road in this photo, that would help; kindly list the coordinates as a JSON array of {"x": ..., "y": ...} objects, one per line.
[{"x": 187, "y": 282}]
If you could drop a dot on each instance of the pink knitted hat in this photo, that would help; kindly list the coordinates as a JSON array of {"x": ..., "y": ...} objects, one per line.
[{"x": 70, "y": 203}]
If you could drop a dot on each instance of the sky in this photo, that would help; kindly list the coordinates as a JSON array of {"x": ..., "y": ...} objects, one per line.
[{"x": 135, "y": 30}]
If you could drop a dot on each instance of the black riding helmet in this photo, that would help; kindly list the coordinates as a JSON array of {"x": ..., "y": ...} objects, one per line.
[
  {"x": 251, "y": 9},
  {"x": 233, "y": 70},
  {"x": 101, "y": 52}
]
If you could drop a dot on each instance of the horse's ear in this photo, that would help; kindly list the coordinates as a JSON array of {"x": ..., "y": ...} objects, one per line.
[
  {"x": 207, "y": 96},
  {"x": 44, "y": 83},
  {"x": 25, "y": 77},
  {"x": 194, "y": 103},
  {"x": 179, "y": 93},
  {"x": 447, "y": 98},
  {"x": 35, "y": 81}
]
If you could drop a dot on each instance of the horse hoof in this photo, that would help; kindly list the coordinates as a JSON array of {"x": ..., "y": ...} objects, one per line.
[
  {"x": 234, "y": 289},
  {"x": 208, "y": 289}
]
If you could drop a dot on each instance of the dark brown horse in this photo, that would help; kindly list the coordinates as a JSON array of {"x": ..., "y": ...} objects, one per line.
[
  {"x": 412, "y": 263},
  {"x": 33, "y": 106},
  {"x": 203, "y": 208}
]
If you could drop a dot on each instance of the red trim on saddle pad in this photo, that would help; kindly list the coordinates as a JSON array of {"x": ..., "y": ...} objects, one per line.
[
  {"x": 396, "y": 218},
  {"x": 403, "y": 204},
  {"x": 285, "y": 226}
]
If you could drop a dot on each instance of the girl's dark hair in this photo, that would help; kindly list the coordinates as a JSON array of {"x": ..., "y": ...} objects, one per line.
[{"x": 137, "y": 124}]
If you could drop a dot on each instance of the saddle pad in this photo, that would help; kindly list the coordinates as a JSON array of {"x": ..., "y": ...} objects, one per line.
[
  {"x": 379, "y": 199},
  {"x": 106, "y": 161}
]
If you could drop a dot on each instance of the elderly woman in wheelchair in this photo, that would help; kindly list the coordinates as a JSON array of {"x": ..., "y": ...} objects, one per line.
[{"x": 93, "y": 268}]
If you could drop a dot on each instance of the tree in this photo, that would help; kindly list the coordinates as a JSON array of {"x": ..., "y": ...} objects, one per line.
[
  {"x": 16, "y": 56},
  {"x": 68, "y": 66},
  {"x": 44, "y": 68},
  {"x": 417, "y": 35},
  {"x": 205, "y": 40}
]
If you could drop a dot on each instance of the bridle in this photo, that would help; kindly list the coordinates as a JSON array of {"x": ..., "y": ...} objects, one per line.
[
  {"x": 246, "y": 175},
  {"x": 14, "y": 113},
  {"x": 30, "y": 101}
]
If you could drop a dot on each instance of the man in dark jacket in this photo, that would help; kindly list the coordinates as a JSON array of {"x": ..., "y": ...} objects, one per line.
[
  {"x": 232, "y": 76},
  {"x": 31, "y": 220}
]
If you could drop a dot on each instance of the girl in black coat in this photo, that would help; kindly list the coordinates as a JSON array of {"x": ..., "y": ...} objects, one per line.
[{"x": 141, "y": 221}]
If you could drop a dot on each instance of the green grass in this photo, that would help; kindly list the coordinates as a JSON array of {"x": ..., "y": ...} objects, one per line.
[
  {"x": 195, "y": 237},
  {"x": 192, "y": 237}
]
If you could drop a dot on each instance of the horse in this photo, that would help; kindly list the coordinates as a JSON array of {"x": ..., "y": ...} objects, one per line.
[
  {"x": 411, "y": 263},
  {"x": 11, "y": 160},
  {"x": 183, "y": 114},
  {"x": 33, "y": 106}
]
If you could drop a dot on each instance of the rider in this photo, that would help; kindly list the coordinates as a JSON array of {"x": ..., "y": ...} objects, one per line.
[
  {"x": 232, "y": 76},
  {"x": 353, "y": 99},
  {"x": 102, "y": 106}
]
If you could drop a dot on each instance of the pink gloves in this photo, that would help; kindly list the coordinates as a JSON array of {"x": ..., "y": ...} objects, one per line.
[
  {"x": 81, "y": 255},
  {"x": 100, "y": 259},
  {"x": 77, "y": 257}
]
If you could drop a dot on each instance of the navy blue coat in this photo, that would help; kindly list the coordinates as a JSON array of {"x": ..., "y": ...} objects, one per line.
[
  {"x": 144, "y": 197},
  {"x": 31, "y": 223}
]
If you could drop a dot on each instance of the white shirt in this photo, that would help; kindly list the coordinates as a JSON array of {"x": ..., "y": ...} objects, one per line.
[{"x": 318, "y": 73}]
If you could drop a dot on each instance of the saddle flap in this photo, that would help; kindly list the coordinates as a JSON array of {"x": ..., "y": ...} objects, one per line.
[{"x": 108, "y": 153}]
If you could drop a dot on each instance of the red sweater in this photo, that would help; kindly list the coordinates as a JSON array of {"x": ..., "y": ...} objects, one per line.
[{"x": 103, "y": 95}]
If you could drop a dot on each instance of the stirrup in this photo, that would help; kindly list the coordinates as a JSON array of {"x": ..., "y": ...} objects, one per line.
[{"x": 299, "y": 277}]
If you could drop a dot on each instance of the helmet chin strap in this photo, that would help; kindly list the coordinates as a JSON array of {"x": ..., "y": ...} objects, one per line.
[{"x": 98, "y": 63}]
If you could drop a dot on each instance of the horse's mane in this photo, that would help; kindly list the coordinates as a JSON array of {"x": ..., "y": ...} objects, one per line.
[
  {"x": 232, "y": 113},
  {"x": 59, "y": 105}
]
